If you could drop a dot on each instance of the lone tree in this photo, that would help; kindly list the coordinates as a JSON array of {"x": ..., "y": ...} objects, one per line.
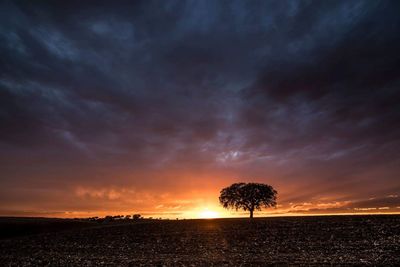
[{"x": 248, "y": 196}]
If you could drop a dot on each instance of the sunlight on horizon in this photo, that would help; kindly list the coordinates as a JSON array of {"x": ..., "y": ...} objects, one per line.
[{"x": 208, "y": 214}]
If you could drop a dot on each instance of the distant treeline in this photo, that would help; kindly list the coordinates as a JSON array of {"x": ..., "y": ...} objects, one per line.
[{"x": 109, "y": 218}]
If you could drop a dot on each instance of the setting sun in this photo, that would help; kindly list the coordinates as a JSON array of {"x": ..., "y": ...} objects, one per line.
[{"x": 208, "y": 214}]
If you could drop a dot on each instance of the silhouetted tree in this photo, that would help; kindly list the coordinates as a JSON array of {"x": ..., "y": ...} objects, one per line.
[
  {"x": 108, "y": 218},
  {"x": 136, "y": 216},
  {"x": 248, "y": 196}
]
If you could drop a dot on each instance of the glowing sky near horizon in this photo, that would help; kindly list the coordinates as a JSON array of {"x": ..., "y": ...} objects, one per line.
[{"x": 153, "y": 107}]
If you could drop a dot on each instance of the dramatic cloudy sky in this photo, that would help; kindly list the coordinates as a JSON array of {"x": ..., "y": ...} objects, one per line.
[{"x": 154, "y": 106}]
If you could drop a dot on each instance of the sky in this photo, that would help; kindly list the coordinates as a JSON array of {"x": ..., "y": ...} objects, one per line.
[{"x": 152, "y": 107}]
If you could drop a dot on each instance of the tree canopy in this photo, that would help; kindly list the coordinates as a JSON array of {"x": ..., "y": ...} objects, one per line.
[{"x": 248, "y": 197}]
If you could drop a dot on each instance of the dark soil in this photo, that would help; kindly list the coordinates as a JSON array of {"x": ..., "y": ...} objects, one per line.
[
  {"x": 325, "y": 240},
  {"x": 21, "y": 226}
]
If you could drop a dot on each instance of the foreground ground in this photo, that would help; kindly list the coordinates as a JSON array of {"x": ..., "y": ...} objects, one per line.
[{"x": 338, "y": 240}]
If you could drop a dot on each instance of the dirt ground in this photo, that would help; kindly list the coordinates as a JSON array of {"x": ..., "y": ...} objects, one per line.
[{"x": 324, "y": 240}]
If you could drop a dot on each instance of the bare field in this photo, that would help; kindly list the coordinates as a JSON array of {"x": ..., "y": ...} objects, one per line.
[{"x": 323, "y": 240}]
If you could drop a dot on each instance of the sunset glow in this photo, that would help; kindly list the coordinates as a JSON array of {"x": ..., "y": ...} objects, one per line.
[
  {"x": 152, "y": 108},
  {"x": 208, "y": 214}
]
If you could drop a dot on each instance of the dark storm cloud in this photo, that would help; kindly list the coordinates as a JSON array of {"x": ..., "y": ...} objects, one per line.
[
  {"x": 330, "y": 93},
  {"x": 299, "y": 92}
]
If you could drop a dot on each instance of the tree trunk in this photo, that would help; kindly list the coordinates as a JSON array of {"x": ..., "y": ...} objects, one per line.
[{"x": 251, "y": 213}]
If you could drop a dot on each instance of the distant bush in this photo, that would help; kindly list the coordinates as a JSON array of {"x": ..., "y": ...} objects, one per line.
[{"x": 136, "y": 216}]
